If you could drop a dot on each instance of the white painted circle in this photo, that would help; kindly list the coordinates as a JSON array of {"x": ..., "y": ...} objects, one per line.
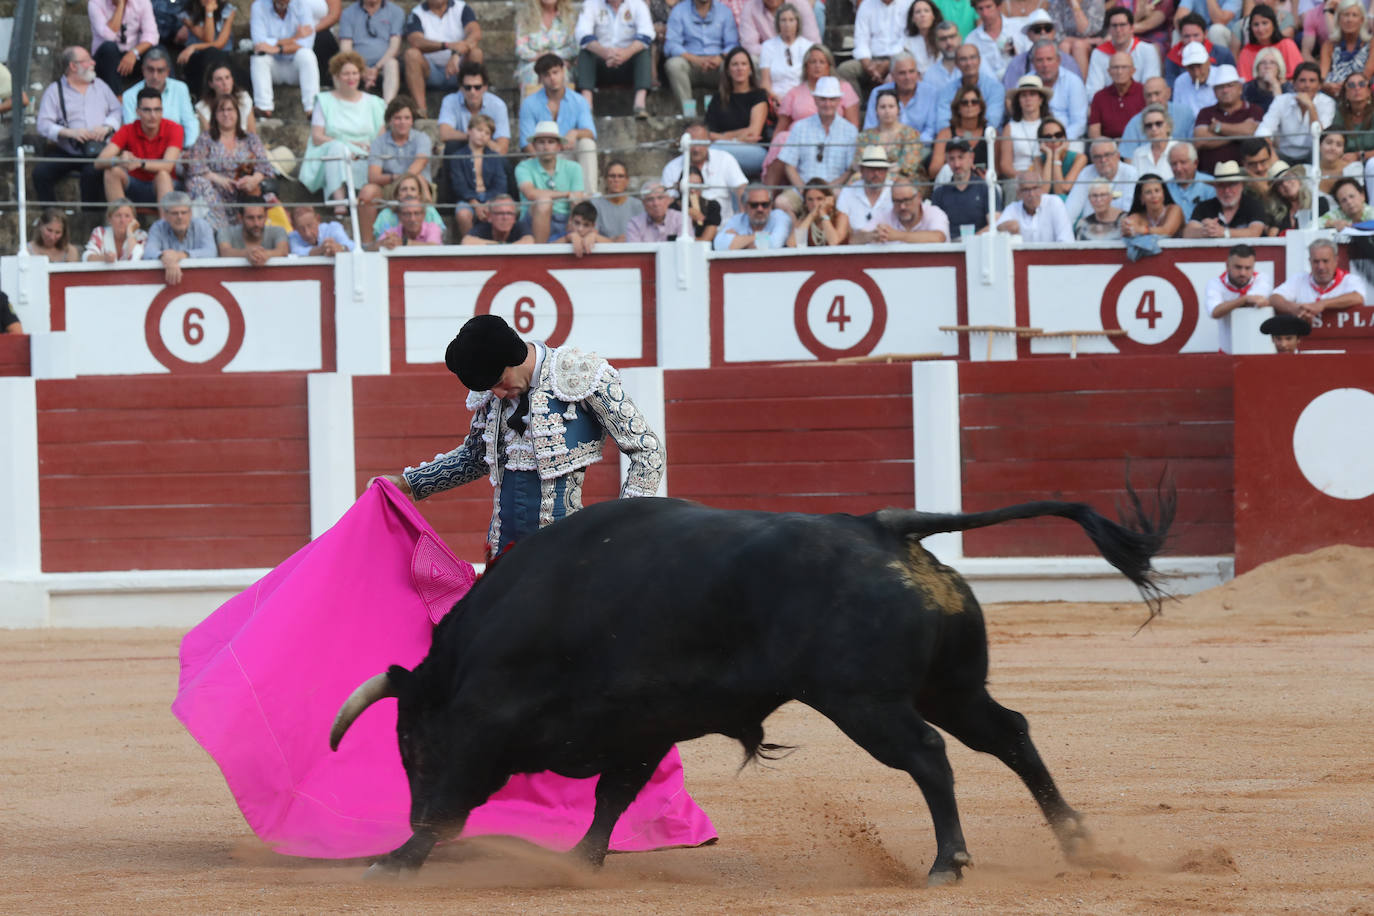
[
  {"x": 527, "y": 307},
  {"x": 194, "y": 327},
  {"x": 840, "y": 314},
  {"x": 1149, "y": 309},
  {"x": 1333, "y": 442}
]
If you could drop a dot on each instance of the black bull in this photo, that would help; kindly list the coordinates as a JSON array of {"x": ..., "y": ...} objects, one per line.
[{"x": 634, "y": 624}]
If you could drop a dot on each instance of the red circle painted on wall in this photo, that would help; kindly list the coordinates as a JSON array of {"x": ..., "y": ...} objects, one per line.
[
  {"x": 533, "y": 295},
  {"x": 836, "y": 312},
  {"x": 191, "y": 329},
  {"x": 1150, "y": 305}
]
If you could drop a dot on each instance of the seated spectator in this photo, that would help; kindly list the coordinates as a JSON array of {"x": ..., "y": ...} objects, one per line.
[
  {"x": 1263, "y": 32},
  {"x": 1020, "y": 134},
  {"x": 220, "y": 80},
  {"x": 782, "y": 56},
  {"x": 904, "y": 87},
  {"x": 869, "y": 202},
  {"x": 577, "y": 130},
  {"x": 1290, "y": 117},
  {"x": 397, "y": 151},
  {"x": 253, "y": 238},
  {"x": 698, "y": 35},
  {"x": 822, "y": 223},
  {"x": 994, "y": 37},
  {"x": 373, "y": 28},
  {"x": 1037, "y": 27},
  {"x": 963, "y": 198},
  {"x": 1104, "y": 223},
  {"x": 945, "y": 66},
  {"x": 1348, "y": 51},
  {"x": 722, "y": 180},
  {"x": 310, "y": 238},
  {"x": 1153, "y": 211},
  {"x": 439, "y": 36},
  {"x": 822, "y": 145},
  {"x": 1219, "y": 129},
  {"x": 737, "y": 116},
  {"x": 759, "y": 226},
  {"x": 1121, "y": 39},
  {"x": 1157, "y": 92},
  {"x": 176, "y": 98},
  {"x": 656, "y": 221},
  {"x": 800, "y": 104},
  {"x": 1355, "y": 115},
  {"x": 502, "y": 228},
  {"x": 543, "y": 27},
  {"x": 1286, "y": 331},
  {"x": 1152, "y": 158},
  {"x": 120, "y": 239},
  {"x": 1240, "y": 285},
  {"x": 121, "y": 33},
  {"x": 209, "y": 25},
  {"x": 1351, "y": 206},
  {"x": 407, "y": 188},
  {"x": 615, "y": 38},
  {"x": 1056, "y": 162},
  {"x": 1257, "y": 159},
  {"x": 974, "y": 76},
  {"x": 1106, "y": 164},
  {"x": 1188, "y": 186},
  {"x": 473, "y": 98},
  {"x": 140, "y": 159},
  {"x": 1154, "y": 24},
  {"x": 226, "y": 166},
  {"x": 1081, "y": 25},
  {"x": 477, "y": 175},
  {"x": 1113, "y": 106},
  {"x": 283, "y": 35},
  {"x": 910, "y": 220},
  {"x": 1326, "y": 286},
  {"x": 616, "y": 207},
  {"x": 1289, "y": 202},
  {"x": 1034, "y": 215},
  {"x": 9, "y": 322},
  {"x": 1268, "y": 82},
  {"x": 1335, "y": 161},
  {"x": 899, "y": 142},
  {"x": 1069, "y": 98},
  {"x": 412, "y": 229},
  {"x": 1194, "y": 87},
  {"x": 548, "y": 183},
  {"x": 1192, "y": 29},
  {"x": 178, "y": 236},
  {"x": 342, "y": 128},
  {"x": 761, "y": 21},
  {"x": 704, "y": 213},
  {"x": 582, "y": 234},
  {"x": 969, "y": 122},
  {"x": 52, "y": 237},
  {"x": 77, "y": 114},
  {"x": 879, "y": 35},
  {"x": 1233, "y": 213}
]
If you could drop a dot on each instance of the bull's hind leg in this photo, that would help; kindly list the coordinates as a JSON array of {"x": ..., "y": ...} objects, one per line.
[
  {"x": 895, "y": 735},
  {"x": 983, "y": 724},
  {"x": 616, "y": 788}
]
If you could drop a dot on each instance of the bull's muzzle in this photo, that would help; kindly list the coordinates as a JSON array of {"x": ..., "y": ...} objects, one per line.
[{"x": 377, "y": 687}]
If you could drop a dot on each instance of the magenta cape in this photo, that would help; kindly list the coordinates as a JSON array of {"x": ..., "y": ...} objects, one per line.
[{"x": 263, "y": 676}]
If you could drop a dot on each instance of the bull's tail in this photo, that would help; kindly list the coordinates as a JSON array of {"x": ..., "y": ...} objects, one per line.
[{"x": 1128, "y": 546}]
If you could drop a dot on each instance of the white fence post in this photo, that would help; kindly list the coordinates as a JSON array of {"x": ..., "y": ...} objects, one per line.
[
  {"x": 333, "y": 464},
  {"x": 936, "y": 452}
]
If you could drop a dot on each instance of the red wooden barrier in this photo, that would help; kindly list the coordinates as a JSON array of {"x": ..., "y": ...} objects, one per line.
[
  {"x": 14, "y": 354},
  {"x": 137, "y": 472}
]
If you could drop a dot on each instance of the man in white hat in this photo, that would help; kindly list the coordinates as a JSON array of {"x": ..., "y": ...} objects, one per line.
[
  {"x": 1113, "y": 106},
  {"x": 1192, "y": 29},
  {"x": 1233, "y": 213},
  {"x": 1037, "y": 27},
  {"x": 869, "y": 203},
  {"x": 1220, "y": 128},
  {"x": 1324, "y": 287},
  {"x": 549, "y": 183},
  {"x": 1193, "y": 87},
  {"x": 1290, "y": 116},
  {"x": 821, "y": 146}
]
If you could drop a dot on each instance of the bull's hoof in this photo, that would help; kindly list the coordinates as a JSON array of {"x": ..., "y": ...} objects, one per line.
[
  {"x": 951, "y": 872},
  {"x": 1074, "y": 837},
  {"x": 386, "y": 870}
]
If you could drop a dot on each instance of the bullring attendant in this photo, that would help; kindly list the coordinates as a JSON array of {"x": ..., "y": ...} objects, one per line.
[
  {"x": 1240, "y": 285},
  {"x": 1325, "y": 287}
]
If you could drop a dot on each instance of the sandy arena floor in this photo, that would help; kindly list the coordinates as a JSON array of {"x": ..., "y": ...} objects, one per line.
[{"x": 1222, "y": 757}]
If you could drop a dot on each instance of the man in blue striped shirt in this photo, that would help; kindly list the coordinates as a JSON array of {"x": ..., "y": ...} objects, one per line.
[{"x": 699, "y": 33}]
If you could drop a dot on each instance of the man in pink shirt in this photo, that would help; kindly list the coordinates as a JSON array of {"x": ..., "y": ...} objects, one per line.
[
  {"x": 122, "y": 31},
  {"x": 412, "y": 228},
  {"x": 757, "y": 23}
]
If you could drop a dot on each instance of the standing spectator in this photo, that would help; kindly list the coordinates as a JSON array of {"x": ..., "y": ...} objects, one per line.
[
  {"x": 52, "y": 237},
  {"x": 397, "y": 151},
  {"x": 226, "y": 166},
  {"x": 1114, "y": 106},
  {"x": 209, "y": 25},
  {"x": 905, "y": 86},
  {"x": 253, "y": 238},
  {"x": 1192, "y": 30},
  {"x": 1347, "y": 52},
  {"x": 1103, "y": 221},
  {"x": 1193, "y": 87},
  {"x": 800, "y": 103},
  {"x": 720, "y": 173},
  {"x": 1021, "y": 134},
  {"x": 616, "y": 207},
  {"x": 760, "y": 20},
  {"x": 821, "y": 224},
  {"x": 699, "y": 33},
  {"x": 1241, "y": 285},
  {"x": 323, "y": 14},
  {"x": 821, "y": 146},
  {"x": 122, "y": 31},
  {"x": 341, "y": 132},
  {"x": 782, "y": 56},
  {"x": 992, "y": 38},
  {"x": 969, "y": 123},
  {"x": 1220, "y": 128},
  {"x": 900, "y": 143},
  {"x": 963, "y": 199},
  {"x": 868, "y": 203},
  {"x": 76, "y": 115},
  {"x": 178, "y": 236},
  {"x": 548, "y": 182},
  {"x": 1263, "y": 32},
  {"x": 1157, "y": 92},
  {"x": 503, "y": 228},
  {"x": 615, "y": 37},
  {"x": 283, "y": 52},
  {"x": 221, "y": 81},
  {"x": 1057, "y": 164},
  {"x": 1106, "y": 164},
  {"x": 1080, "y": 22},
  {"x": 120, "y": 239},
  {"x": 175, "y": 95},
  {"x": 140, "y": 159},
  {"x": 1324, "y": 287},
  {"x": 879, "y": 33},
  {"x": 569, "y": 112},
  {"x": 736, "y": 117},
  {"x": 656, "y": 222},
  {"x": 440, "y": 35},
  {"x": 413, "y": 228},
  {"x": 1039, "y": 27},
  {"x": 1153, "y": 211},
  {"x": 473, "y": 98},
  {"x": 310, "y": 238},
  {"x": 910, "y": 220},
  {"x": 922, "y": 18},
  {"x": 972, "y": 76},
  {"x": 1189, "y": 186},
  {"x": 1290, "y": 118},
  {"x": 703, "y": 212},
  {"x": 582, "y": 233},
  {"x": 1035, "y": 216},
  {"x": 1121, "y": 38},
  {"x": 477, "y": 175},
  {"x": 543, "y": 27},
  {"x": 1152, "y": 158},
  {"x": 1233, "y": 213},
  {"x": 373, "y": 29},
  {"x": 760, "y": 226}
]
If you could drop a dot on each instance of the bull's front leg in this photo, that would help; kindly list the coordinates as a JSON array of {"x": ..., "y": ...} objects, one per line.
[{"x": 405, "y": 859}]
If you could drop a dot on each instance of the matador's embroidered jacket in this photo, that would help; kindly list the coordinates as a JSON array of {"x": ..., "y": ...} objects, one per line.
[{"x": 536, "y": 476}]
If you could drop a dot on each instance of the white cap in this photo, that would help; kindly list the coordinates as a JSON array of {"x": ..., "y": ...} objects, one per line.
[
  {"x": 1223, "y": 74},
  {"x": 546, "y": 129},
  {"x": 1194, "y": 53},
  {"x": 827, "y": 87}
]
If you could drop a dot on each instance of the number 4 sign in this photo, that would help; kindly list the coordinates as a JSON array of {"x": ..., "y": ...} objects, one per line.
[
  {"x": 840, "y": 313},
  {"x": 1155, "y": 304}
]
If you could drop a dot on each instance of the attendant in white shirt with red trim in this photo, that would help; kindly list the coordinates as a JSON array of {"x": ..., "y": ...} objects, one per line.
[
  {"x": 1121, "y": 39},
  {"x": 1326, "y": 287},
  {"x": 1240, "y": 285}
]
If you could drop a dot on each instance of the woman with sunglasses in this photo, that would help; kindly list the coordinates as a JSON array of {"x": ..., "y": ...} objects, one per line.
[
  {"x": 1347, "y": 52},
  {"x": 1152, "y": 157},
  {"x": 1055, "y": 162},
  {"x": 781, "y": 57},
  {"x": 1263, "y": 32},
  {"x": 968, "y": 118},
  {"x": 1153, "y": 211},
  {"x": 921, "y": 21},
  {"x": 1355, "y": 115}
]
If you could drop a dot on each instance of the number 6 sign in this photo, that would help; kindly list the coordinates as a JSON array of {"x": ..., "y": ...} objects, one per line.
[
  {"x": 194, "y": 331},
  {"x": 840, "y": 313},
  {"x": 534, "y": 303}
]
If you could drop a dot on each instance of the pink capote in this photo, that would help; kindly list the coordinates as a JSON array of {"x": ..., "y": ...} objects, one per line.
[{"x": 263, "y": 676}]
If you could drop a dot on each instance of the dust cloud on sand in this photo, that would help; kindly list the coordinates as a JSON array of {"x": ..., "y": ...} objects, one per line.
[{"x": 1220, "y": 757}]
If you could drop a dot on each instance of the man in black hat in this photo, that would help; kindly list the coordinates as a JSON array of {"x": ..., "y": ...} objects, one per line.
[
  {"x": 539, "y": 415},
  {"x": 1285, "y": 330}
]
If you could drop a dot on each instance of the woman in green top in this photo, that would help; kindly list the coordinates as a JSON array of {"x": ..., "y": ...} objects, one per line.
[
  {"x": 1355, "y": 115},
  {"x": 341, "y": 132},
  {"x": 901, "y": 143},
  {"x": 1055, "y": 162}
]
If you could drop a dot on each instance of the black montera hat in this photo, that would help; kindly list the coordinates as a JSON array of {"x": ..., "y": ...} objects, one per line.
[
  {"x": 1285, "y": 325},
  {"x": 485, "y": 347}
]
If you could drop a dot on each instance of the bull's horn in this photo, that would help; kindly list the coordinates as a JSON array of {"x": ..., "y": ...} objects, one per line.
[{"x": 375, "y": 688}]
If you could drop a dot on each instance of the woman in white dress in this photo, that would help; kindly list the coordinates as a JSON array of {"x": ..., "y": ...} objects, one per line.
[
  {"x": 1152, "y": 158},
  {"x": 1020, "y": 141},
  {"x": 921, "y": 21},
  {"x": 781, "y": 57}
]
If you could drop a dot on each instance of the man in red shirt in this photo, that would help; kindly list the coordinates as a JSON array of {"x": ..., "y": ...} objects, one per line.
[
  {"x": 1113, "y": 107},
  {"x": 140, "y": 160}
]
